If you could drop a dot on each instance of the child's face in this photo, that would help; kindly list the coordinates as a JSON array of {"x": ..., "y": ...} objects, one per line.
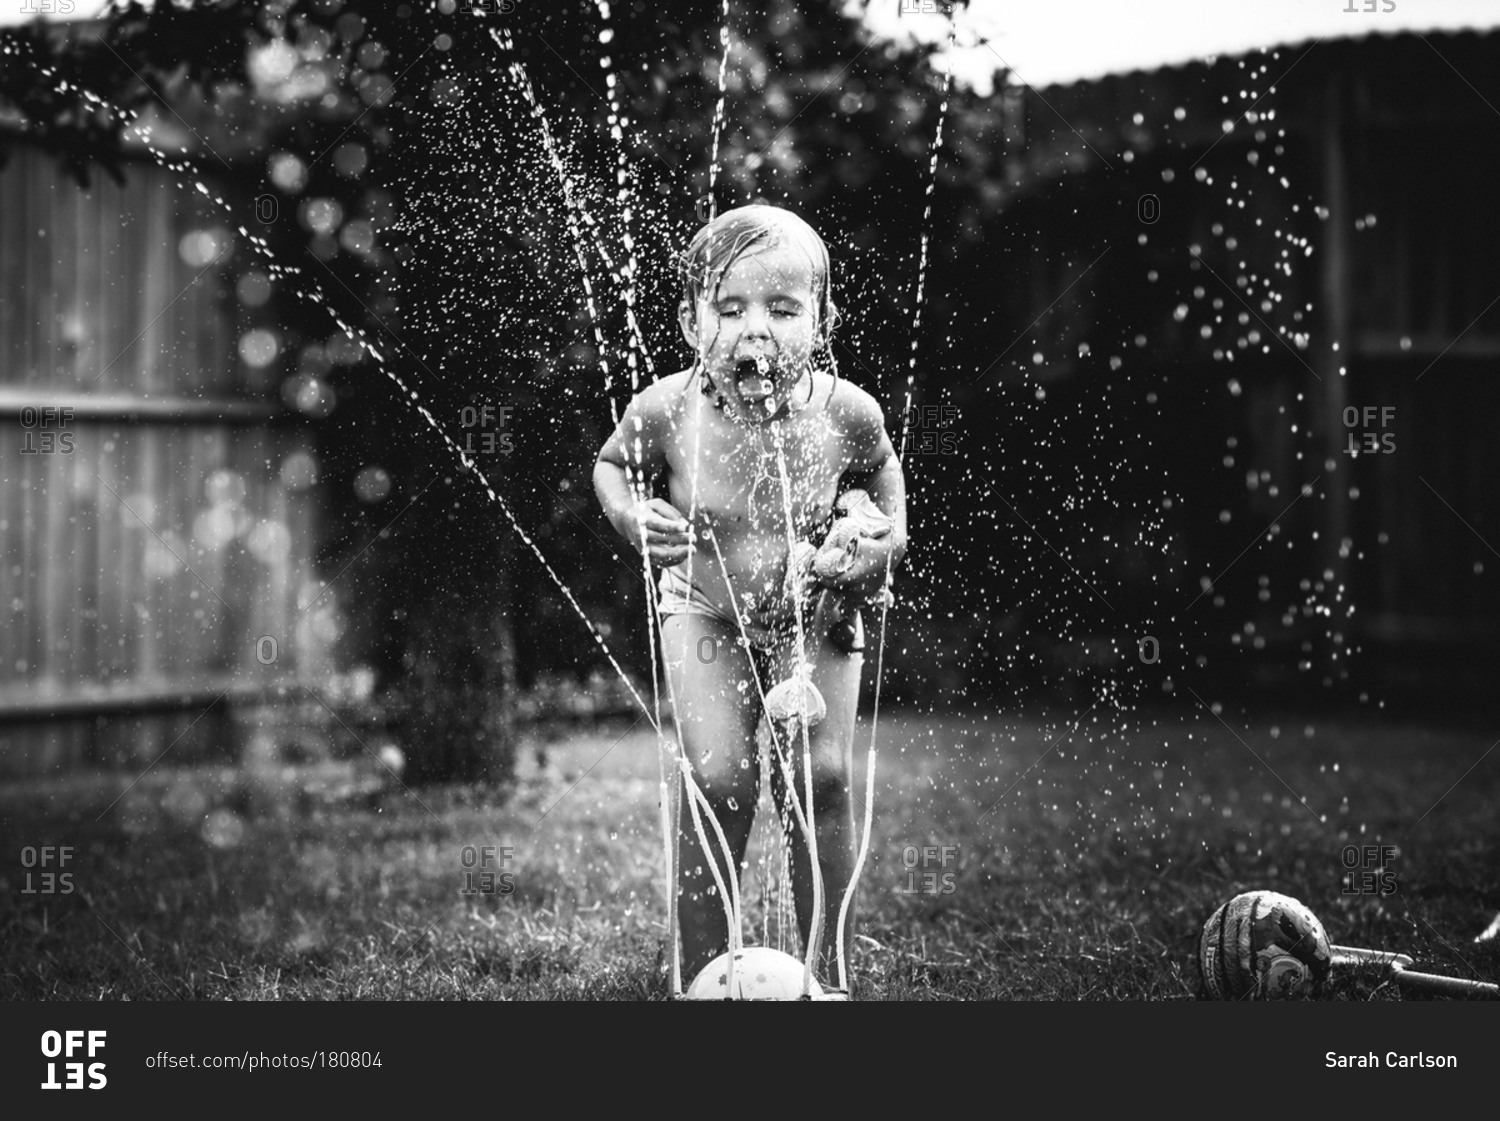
[{"x": 765, "y": 307}]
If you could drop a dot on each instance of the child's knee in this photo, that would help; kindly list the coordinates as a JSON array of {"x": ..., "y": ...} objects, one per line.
[
  {"x": 831, "y": 794},
  {"x": 729, "y": 786},
  {"x": 830, "y": 790}
]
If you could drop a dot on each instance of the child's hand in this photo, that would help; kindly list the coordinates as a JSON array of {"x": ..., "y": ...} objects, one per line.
[
  {"x": 668, "y": 537},
  {"x": 855, "y": 555},
  {"x": 860, "y": 524}
]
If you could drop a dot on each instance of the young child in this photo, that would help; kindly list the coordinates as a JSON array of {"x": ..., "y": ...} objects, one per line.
[{"x": 753, "y": 428}]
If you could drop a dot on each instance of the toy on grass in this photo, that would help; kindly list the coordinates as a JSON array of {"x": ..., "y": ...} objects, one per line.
[{"x": 1263, "y": 945}]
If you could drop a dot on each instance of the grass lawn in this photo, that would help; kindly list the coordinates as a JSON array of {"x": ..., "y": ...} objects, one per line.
[{"x": 1083, "y": 863}]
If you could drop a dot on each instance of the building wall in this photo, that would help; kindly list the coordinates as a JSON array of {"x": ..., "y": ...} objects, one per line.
[{"x": 1336, "y": 248}]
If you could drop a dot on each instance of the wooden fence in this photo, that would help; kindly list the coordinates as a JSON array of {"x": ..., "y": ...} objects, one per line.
[{"x": 157, "y": 499}]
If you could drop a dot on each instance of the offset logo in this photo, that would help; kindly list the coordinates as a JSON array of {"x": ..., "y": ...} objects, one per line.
[
  {"x": 1368, "y": 869},
  {"x": 65, "y": 1045},
  {"x": 44, "y": 431},
  {"x": 45, "y": 882},
  {"x": 482, "y": 434},
  {"x": 933, "y": 430},
  {"x": 486, "y": 870},
  {"x": 1372, "y": 439},
  {"x": 936, "y": 874}
]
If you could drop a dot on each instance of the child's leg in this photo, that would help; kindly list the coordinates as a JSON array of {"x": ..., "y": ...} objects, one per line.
[
  {"x": 836, "y": 673},
  {"x": 716, "y": 719}
]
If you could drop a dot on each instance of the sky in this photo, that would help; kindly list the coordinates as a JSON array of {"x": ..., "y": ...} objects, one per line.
[
  {"x": 1051, "y": 42},
  {"x": 1048, "y": 42}
]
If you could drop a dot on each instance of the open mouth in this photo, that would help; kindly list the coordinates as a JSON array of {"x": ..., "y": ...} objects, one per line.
[{"x": 755, "y": 379}]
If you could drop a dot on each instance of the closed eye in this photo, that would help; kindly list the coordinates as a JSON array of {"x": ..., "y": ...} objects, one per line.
[{"x": 780, "y": 312}]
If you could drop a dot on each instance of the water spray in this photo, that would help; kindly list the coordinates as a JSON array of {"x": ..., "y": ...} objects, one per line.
[{"x": 911, "y": 374}]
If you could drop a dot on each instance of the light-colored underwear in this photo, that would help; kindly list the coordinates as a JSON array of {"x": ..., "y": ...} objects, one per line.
[{"x": 679, "y": 596}]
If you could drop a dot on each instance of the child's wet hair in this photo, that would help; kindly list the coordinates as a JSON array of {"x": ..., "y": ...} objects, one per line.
[{"x": 717, "y": 245}]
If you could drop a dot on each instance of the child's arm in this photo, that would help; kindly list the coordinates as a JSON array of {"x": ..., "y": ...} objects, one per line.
[
  {"x": 877, "y": 471},
  {"x": 631, "y": 510}
]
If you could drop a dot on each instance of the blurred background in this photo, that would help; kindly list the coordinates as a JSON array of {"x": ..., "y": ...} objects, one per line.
[{"x": 1201, "y": 396}]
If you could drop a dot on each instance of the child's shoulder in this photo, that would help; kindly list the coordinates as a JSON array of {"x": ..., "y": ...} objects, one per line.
[
  {"x": 853, "y": 407},
  {"x": 860, "y": 422},
  {"x": 663, "y": 396}
]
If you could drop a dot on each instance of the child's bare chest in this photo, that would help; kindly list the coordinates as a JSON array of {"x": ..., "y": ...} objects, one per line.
[{"x": 742, "y": 478}]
